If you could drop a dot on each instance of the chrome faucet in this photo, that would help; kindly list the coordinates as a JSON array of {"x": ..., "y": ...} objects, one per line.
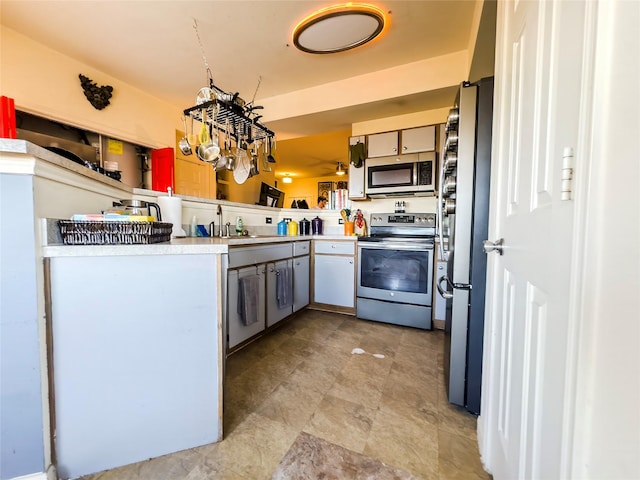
[{"x": 219, "y": 211}]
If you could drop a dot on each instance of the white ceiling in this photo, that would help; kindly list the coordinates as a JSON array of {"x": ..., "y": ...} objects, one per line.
[{"x": 153, "y": 45}]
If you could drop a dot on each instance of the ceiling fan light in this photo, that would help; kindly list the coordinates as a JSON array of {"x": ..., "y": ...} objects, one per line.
[
  {"x": 287, "y": 179},
  {"x": 340, "y": 169},
  {"x": 338, "y": 28}
]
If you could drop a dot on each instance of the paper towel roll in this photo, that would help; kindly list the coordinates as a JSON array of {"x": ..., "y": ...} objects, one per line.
[{"x": 171, "y": 209}]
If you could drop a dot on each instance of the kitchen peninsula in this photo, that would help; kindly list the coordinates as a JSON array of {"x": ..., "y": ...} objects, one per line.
[{"x": 127, "y": 340}]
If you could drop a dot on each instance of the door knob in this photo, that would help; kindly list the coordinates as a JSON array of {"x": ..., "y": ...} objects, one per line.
[{"x": 496, "y": 246}]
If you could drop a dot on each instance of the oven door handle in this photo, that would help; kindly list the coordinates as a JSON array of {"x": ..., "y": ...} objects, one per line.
[
  {"x": 444, "y": 293},
  {"x": 396, "y": 246}
]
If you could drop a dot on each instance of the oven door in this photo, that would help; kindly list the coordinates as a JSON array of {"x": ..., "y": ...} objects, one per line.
[{"x": 395, "y": 272}]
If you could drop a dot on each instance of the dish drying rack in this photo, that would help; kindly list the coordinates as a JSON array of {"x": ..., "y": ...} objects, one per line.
[{"x": 242, "y": 119}]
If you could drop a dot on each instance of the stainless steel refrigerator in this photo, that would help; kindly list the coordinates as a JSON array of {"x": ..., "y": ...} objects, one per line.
[{"x": 464, "y": 211}]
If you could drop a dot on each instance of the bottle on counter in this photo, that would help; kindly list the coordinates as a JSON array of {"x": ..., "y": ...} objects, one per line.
[
  {"x": 193, "y": 227},
  {"x": 239, "y": 226}
]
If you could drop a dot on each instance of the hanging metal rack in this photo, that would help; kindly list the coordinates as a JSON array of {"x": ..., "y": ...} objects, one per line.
[{"x": 242, "y": 118}]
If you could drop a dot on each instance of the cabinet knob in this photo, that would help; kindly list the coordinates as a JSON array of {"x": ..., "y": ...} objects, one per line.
[
  {"x": 404, "y": 147},
  {"x": 351, "y": 262}
]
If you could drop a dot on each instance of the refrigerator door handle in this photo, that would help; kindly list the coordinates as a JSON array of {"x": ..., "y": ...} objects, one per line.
[
  {"x": 440, "y": 213},
  {"x": 445, "y": 294}
]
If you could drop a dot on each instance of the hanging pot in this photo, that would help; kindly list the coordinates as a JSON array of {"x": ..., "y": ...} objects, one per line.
[
  {"x": 208, "y": 150},
  {"x": 183, "y": 144}
]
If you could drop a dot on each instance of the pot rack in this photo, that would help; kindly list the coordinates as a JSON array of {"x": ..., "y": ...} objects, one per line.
[{"x": 242, "y": 118}]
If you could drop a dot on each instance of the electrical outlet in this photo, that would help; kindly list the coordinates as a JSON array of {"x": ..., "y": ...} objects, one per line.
[
  {"x": 268, "y": 220},
  {"x": 340, "y": 221}
]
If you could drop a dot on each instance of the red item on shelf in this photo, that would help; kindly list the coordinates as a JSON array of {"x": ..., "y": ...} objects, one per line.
[
  {"x": 162, "y": 169},
  {"x": 7, "y": 117}
]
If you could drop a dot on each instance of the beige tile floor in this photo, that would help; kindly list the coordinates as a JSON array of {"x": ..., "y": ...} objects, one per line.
[{"x": 303, "y": 377}]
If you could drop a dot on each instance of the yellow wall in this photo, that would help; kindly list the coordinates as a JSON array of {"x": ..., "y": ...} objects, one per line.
[
  {"x": 45, "y": 82},
  {"x": 306, "y": 188},
  {"x": 249, "y": 191}
]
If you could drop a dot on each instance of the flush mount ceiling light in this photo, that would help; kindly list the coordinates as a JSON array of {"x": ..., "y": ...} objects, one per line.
[
  {"x": 340, "y": 169},
  {"x": 287, "y": 178},
  {"x": 338, "y": 28}
]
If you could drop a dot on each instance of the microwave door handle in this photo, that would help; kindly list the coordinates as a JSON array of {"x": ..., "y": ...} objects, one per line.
[{"x": 415, "y": 174}]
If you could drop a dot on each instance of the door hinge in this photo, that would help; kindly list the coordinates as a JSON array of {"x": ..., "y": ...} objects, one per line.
[{"x": 567, "y": 174}]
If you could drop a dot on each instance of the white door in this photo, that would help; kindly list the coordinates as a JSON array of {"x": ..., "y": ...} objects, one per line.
[{"x": 537, "y": 114}]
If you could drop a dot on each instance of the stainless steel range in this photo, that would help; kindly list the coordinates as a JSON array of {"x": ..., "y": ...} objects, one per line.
[{"x": 395, "y": 269}]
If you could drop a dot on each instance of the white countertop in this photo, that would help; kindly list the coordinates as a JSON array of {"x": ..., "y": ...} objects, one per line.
[{"x": 179, "y": 246}]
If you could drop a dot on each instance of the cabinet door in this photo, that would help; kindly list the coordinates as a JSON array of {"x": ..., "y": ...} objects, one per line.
[
  {"x": 421, "y": 139},
  {"x": 334, "y": 280},
  {"x": 275, "y": 313},
  {"x": 382, "y": 144},
  {"x": 162, "y": 169},
  {"x": 300, "y": 282},
  {"x": 237, "y": 331},
  {"x": 356, "y": 182},
  {"x": 194, "y": 178}
]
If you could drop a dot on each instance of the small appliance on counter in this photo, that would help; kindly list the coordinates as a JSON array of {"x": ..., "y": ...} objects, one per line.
[{"x": 139, "y": 207}]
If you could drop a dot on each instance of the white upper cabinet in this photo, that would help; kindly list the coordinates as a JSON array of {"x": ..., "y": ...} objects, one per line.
[
  {"x": 410, "y": 140},
  {"x": 421, "y": 139},
  {"x": 382, "y": 144}
]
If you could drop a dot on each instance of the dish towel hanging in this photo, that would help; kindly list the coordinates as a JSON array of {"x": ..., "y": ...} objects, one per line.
[
  {"x": 284, "y": 287},
  {"x": 248, "y": 291},
  {"x": 357, "y": 154}
]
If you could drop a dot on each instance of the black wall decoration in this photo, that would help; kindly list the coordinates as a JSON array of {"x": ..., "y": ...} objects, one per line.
[{"x": 97, "y": 96}]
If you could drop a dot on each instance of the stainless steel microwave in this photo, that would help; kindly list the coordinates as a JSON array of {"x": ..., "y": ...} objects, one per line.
[{"x": 401, "y": 175}]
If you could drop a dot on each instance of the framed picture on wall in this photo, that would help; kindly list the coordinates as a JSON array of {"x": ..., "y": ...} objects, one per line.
[{"x": 324, "y": 189}]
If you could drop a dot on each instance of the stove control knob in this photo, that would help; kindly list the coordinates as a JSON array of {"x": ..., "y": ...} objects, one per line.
[{"x": 431, "y": 220}]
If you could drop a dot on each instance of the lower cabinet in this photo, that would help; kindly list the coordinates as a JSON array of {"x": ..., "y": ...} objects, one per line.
[
  {"x": 279, "y": 287},
  {"x": 123, "y": 367},
  {"x": 300, "y": 282},
  {"x": 240, "y": 329},
  {"x": 334, "y": 280}
]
